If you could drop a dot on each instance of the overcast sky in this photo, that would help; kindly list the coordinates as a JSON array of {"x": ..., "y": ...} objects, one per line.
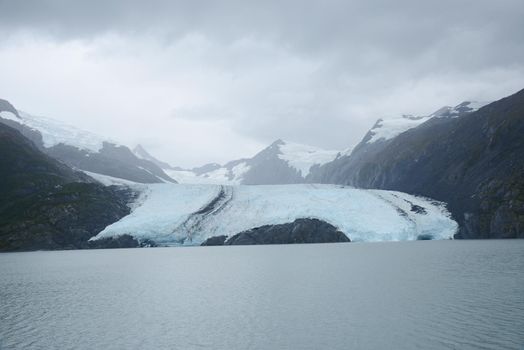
[{"x": 202, "y": 81}]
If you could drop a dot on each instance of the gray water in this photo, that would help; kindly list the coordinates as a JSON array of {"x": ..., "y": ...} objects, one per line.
[{"x": 412, "y": 295}]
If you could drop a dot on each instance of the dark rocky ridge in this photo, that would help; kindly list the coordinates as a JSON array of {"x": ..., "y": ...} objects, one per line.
[
  {"x": 46, "y": 205},
  {"x": 474, "y": 163},
  {"x": 214, "y": 241},
  {"x": 298, "y": 231}
]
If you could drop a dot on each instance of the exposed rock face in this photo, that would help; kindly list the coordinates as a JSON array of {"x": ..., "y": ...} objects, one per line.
[
  {"x": 46, "y": 205},
  {"x": 213, "y": 241},
  {"x": 473, "y": 162},
  {"x": 299, "y": 231},
  {"x": 267, "y": 168}
]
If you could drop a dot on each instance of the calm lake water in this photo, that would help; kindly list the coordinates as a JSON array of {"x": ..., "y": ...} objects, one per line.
[{"x": 411, "y": 295}]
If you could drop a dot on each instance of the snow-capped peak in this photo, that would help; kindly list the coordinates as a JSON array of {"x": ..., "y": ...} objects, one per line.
[
  {"x": 458, "y": 110},
  {"x": 388, "y": 128},
  {"x": 55, "y": 132},
  {"x": 303, "y": 157},
  {"x": 385, "y": 129}
]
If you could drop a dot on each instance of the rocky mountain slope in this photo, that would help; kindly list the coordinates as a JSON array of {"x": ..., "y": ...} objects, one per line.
[
  {"x": 81, "y": 149},
  {"x": 46, "y": 205},
  {"x": 377, "y": 140},
  {"x": 472, "y": 160}
]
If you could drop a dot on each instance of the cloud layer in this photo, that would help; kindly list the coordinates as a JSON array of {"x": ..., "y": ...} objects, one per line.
[{"x": 206, "y": 81}]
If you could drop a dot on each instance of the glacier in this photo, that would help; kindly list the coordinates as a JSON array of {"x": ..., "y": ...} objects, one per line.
[
  {"x": 188, "y": 214},
  {"x": 55, "y": 132}
]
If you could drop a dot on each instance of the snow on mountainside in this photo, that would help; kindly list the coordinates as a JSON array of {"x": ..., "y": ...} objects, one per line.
[
  {"x": 189, "y": 214},
  {"x": 55, "y": 132},
  {"x": 280, "y": 163},
  {"x": 303, "y": 157},
  {"x": 388, "y": 128},
  {"x": 220, "y": 176},
  {"x": 229, "y": 174}
]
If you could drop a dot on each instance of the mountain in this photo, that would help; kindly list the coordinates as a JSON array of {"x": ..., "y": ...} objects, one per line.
[
  {"x": 470, "y": 159},
  {"x": 282, "y": 162},
  {"x": 141, "y": 153},
  {"x": 81, "y": 149},
  {"x": 377, "y": 140},
  {"x": 44, "y": 204},
  {"x": 168, "y": 214}
]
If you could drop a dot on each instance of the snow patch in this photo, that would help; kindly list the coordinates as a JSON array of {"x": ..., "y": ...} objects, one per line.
[
  {"x": 9, "y": 116},
  {"x": 238, "y": 171},
  {"x": 220, "y": 176},
  {"x": 303, "y": 157},
  {"x": 386, "y": 129},
  {"x": 107, "y": 180}
]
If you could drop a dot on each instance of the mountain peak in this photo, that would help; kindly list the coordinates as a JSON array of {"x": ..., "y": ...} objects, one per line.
[
  {"x": 278, "y": 142},
  {"x": 141, "y": 153}
]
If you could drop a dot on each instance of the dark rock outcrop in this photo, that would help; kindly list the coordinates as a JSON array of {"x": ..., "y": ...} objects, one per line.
[
  {"x": 298, "y": 231},
  {"x": 213, "y": 241},
  {"x": 123, "y": 241},
  {"x": 46, "y": 205}
]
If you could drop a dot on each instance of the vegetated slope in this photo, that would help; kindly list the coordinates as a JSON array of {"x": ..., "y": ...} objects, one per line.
[
  {"x": 46, "y": 205},
  {"x": 474, "y": 162}
]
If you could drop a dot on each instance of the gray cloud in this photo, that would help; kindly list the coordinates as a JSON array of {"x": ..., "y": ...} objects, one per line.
[{"x": 248, "y": 72}]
